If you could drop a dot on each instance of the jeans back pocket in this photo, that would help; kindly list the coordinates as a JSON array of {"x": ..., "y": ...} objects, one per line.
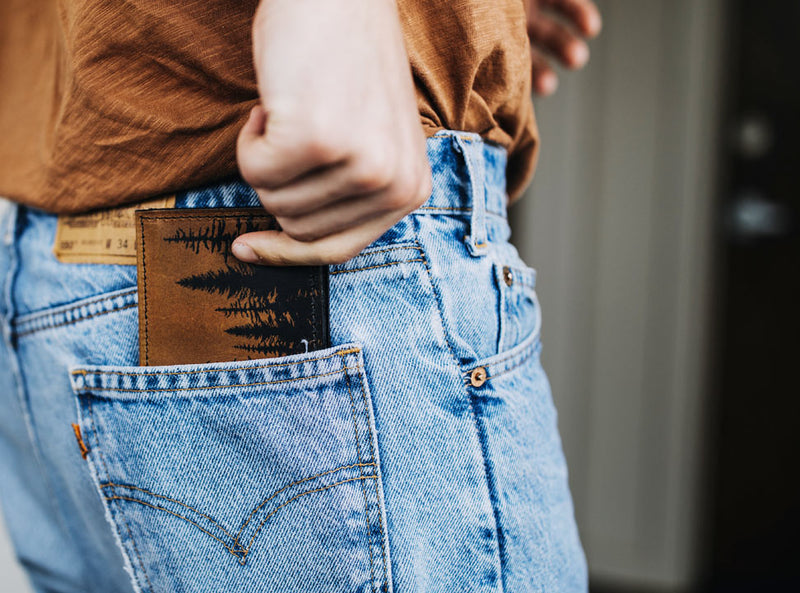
[{"x": 248, "y": 476}]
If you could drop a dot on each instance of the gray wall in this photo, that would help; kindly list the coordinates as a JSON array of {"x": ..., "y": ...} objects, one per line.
[
  {"x": 617, "y": 223},
  {"x": 12, "y": 579}
]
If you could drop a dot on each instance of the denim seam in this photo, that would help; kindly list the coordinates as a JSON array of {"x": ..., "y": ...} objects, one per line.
[
  {"x": 30, "y": 317},
  {"x": 207, "y": 387},
  {"x": 361, "y": 471},
  {"x": 250, "y": 543},
  {"x": 377, "y": 496},
  {"x": 368, "y": 252},
  {"x": 84, "y": 372},
  {"x": 457, "y": 209},
  {"x": 440, "y": 308},
  {"x": 73, "y": 321},
  {"x": 119, "y": 507},
  {"x": 491, "y": 486},
  {"x": 143, "y": 310},
  {"x": 394, "y": 263},
  {"x": 295, "y": 483},
  {"x": 178, "y": 515},
  {"x": 519, "y": 359},
  {"x": 20, "y": 386},
  {"x": 252, "y": 539},
  {"x": 113, "y": 487}
]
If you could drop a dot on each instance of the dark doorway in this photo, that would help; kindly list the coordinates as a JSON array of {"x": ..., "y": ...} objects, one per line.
[{"x": 755, "y": 498}]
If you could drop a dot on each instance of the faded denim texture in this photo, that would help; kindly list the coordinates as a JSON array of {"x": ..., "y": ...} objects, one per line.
[{"x": 381, "y": 464}]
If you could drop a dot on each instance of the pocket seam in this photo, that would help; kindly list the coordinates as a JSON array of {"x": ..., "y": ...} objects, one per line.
[
  {"x": 92, "y": 389},
  {"x": 57, "y": 317},
  {"x": 84, "y": 372},
  {"x": 119, "y": 507}
]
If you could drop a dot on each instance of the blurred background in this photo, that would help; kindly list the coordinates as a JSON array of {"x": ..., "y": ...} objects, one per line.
[{"x": 664, "y": 222}]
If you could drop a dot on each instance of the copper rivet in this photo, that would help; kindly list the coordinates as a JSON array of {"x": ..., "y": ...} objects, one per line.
[
  {"x": 508, "y": 277},
  {"x": 478, "y": 377}
]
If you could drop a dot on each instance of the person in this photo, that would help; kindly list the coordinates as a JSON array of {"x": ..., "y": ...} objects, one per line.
[{"x": 419, "y": 452}]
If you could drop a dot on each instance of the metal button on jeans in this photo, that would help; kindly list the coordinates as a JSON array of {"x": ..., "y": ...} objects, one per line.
[
  {"x": 508, "y": 276},
  {"x": 478, "y": 377}
]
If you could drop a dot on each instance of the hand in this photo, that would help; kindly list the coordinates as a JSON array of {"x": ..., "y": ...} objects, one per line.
[
  {"x": 337, "y": 153},
  {"x": 559, "y": 28}
]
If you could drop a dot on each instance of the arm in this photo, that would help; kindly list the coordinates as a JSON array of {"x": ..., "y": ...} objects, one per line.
[{"x": 335, "y": 150}]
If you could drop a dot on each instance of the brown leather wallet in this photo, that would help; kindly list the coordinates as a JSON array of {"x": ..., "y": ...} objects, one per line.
[{"x": 198, "y": 303}]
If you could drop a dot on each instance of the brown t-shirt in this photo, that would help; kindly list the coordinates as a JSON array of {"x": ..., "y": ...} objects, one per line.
[{"x": 104, "y": 102}]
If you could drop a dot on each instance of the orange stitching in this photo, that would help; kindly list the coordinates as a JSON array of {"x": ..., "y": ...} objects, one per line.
[
  {"x": 377, "y": 497},
  {"x": 394, "y": 263},
  {"x": 124, "y": 518},
  {"x": 194, "y": 372},
  {"x": 25, "y": 319},
  {"x": 363, "y": 486},
  {"x": 84, "y": 449},
  {"x": 258, "y": 508},
  {"x": 250, "y": 543},
  {"x": 158, "y": 508},
  {"x": 523, "y": 355},
  {"x": 366, "y": 253},
  {"x": 456, "y": 209},
  {"x": 262, "y": 383},
  {"x": 71, "y": 321},
  {"x": 113, "y": 485}
]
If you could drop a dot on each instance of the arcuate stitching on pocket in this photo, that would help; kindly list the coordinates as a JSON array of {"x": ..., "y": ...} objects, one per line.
[
  {"x": 119, "y": 507},
  {"x": 123, "y": 492}
]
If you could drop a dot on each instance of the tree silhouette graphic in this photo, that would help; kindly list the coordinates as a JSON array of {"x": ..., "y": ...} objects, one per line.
[
  {"x": 219, "y": 234},
  {"x": 262, "y": 314}
]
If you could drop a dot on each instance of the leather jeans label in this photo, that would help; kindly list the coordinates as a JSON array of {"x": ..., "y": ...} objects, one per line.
[
  {"x": 199, "y": 304},
  {"x": 102, "y": 236}
]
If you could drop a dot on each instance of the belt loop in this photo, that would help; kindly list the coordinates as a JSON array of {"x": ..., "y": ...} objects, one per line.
[{"x": 473, "y": 157}]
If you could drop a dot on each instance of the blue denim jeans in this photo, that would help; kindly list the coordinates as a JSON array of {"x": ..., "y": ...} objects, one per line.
[{"x": 419, "y": 453}]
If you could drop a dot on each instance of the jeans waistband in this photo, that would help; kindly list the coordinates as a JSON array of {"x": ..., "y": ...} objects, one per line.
[{"x": 466, "y": 171}]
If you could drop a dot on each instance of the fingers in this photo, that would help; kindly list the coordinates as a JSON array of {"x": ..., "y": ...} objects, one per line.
[
  {"x": 277, "y": 248},
  {"x": 545, "y": 80},
  {"x": 266, "y": 161},
  {"x": 557, "y": 39},
  {"x": 323, "y": 187},
  {"x": 581, "y": 14}
]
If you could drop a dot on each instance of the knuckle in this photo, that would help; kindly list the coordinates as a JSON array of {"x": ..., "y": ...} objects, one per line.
[
  {"x": 373, "y": 171},
  {"x": 300, "y": 232},
  {"x": 321, "y": 142}
]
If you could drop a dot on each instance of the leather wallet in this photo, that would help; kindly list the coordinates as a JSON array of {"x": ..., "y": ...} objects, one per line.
[{"x": 198, "y": 303}]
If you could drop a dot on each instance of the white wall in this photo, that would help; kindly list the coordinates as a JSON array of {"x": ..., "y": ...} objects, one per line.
[
  {"x": 12, "y": 580},
  {"x": 617, "y": 222}
]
